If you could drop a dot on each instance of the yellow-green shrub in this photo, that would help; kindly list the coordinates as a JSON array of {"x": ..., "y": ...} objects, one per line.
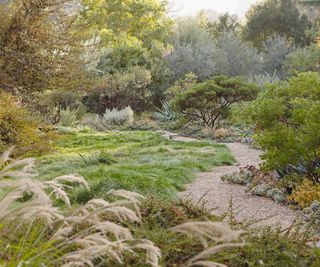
[
  {"x": 18, "y": 128},
  {"x": 306, "y": 193}
]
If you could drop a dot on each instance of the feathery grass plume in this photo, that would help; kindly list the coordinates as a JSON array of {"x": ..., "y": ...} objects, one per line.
[
  {"x": 100, "y": 207},
  {"x": 92, "y": 233},
  {"x": 153, "y": 253},
  {"x": 133, "y": 198},
  {"x": 214, "y": 231},
  {"x": 218, "y": 232},
  {"x": 58, "y": 186}
]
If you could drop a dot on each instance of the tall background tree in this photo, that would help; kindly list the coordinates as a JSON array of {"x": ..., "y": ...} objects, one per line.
[{"x": 276, "y": 17}]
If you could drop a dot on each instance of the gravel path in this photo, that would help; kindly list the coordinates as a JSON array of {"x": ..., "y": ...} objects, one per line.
[{"x": 216, "y": 194}]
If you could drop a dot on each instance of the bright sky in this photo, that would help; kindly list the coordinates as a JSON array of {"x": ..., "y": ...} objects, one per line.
[{"x": 191, "y": 7}]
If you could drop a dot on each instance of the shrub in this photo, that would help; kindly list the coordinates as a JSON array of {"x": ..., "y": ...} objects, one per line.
[
  {"x": 182, "y": 85},
  {"x": 17, "y": 127},
  {"x": 286, "y": 120},
  {"x": 207, "y": 103},
  {"x": 56, "y": 105},
  {"x": 275, "y": 49},
  {"x": 303, "y": 60},
  {"x": 122, "y": 89},
  {"x": 306, "y": 193},
  {"x": 239, "y": 58},
  {"x": 68, "y": 117},
  {"x": 110, "y": 119}
]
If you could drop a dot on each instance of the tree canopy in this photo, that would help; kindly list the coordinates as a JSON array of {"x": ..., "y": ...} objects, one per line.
[{"x": 276, "y": 17}]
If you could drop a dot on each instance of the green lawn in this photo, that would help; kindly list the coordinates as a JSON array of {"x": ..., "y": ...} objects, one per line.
[{"x": 138, "y": 161}]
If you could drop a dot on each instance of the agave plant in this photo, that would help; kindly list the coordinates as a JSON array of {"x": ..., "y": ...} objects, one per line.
[{"x": 165, "y": 113}]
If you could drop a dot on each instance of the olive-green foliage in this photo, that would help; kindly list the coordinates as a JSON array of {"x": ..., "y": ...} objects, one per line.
[
  {"x": 226, "y": 23},
  {"x": 143, "y": 162},
  {"x": 208, "y": 102},
  {"x": 182, "y": 85},
  {"x": 33, "y": 55},
  {"x": 303, "y": 60},
  {"x": 286, "y": 117},
  {"x": 134, "y": 32},
  {"x": 17, "y": 127},
  {"x": 272, "y": 248},
  {"x": 276, "y": 17},
  {"x": 51, "y": 104},
  {"x": 122, "y": 89}
]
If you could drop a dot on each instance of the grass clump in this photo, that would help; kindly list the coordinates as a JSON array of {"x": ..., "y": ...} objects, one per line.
[{"x": 137, "y": 161}]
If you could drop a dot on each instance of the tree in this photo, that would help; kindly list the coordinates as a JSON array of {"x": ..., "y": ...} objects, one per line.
[
  {"x": 226, "y": 23},
  {"x": 193, "y": 50},
  {"x": 286, "y": 119},
  {"x": 276, "y": 17},
  {"x": 240, "y": 59},
  {"x": 208, "y": 102},
  {"x": 133, "y": 32},
  {"x": 38, "y": 47}
]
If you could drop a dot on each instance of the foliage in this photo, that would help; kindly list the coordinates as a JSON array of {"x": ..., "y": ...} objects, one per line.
[
  {"x": 193, "y": 50},
  {"x": 19, "y": 128},
  {"x": 239, "y": 58},
  {"x": 287, "y": 126},
  {"x": 226, "y": 23},
  {"x": 68, "y": 117},
  {"x": 110, "y": 119},
  {"x": 272, "y": 247},
  {"x": 166, "y": 113},
  {"x": 258, "y": 183},
  {"x": 159, "y": 166},
  {"x": 133, "y": 32},
  {"x": 276, "y": 17},
  {"x": 207, "y": 103},
  {"x": 182, "y": 85},
  {"x": 122, "y": 89},
  {"x": 50, "y": 103},
  {"x": 306, "y": 193},
  {"x": 303, "y": 60},
  {"x": 33, "y": 55},
  {"x": 275, "y": 49}
]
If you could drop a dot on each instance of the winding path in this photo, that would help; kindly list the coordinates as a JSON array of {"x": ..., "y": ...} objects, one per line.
[{"x": 216, "y": 194}]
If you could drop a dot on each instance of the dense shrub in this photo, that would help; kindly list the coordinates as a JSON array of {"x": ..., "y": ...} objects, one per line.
[
  {"x": 239, "y": 58},
  {"x": 110, "y": 119},
  {"x": 121, "y": 89},
  {"x": 275, "y": 49},
  {"x": 207, "y": 103},
  {"x": 303, "y": 60},
  {"x": 18, "y": 128},
  {"x": 182, "y": 85},
  {"x": 68, "y": 117},
  {"x": 306, "y": 193},
  {"x": 54, "y": 105},
  {"x": 286, "y": 117}
]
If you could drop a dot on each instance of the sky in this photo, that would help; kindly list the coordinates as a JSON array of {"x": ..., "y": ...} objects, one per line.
[{"x": 191, "y": 7}]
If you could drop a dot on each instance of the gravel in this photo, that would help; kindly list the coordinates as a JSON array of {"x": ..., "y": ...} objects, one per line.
[{"x": 216, "y": 195}]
